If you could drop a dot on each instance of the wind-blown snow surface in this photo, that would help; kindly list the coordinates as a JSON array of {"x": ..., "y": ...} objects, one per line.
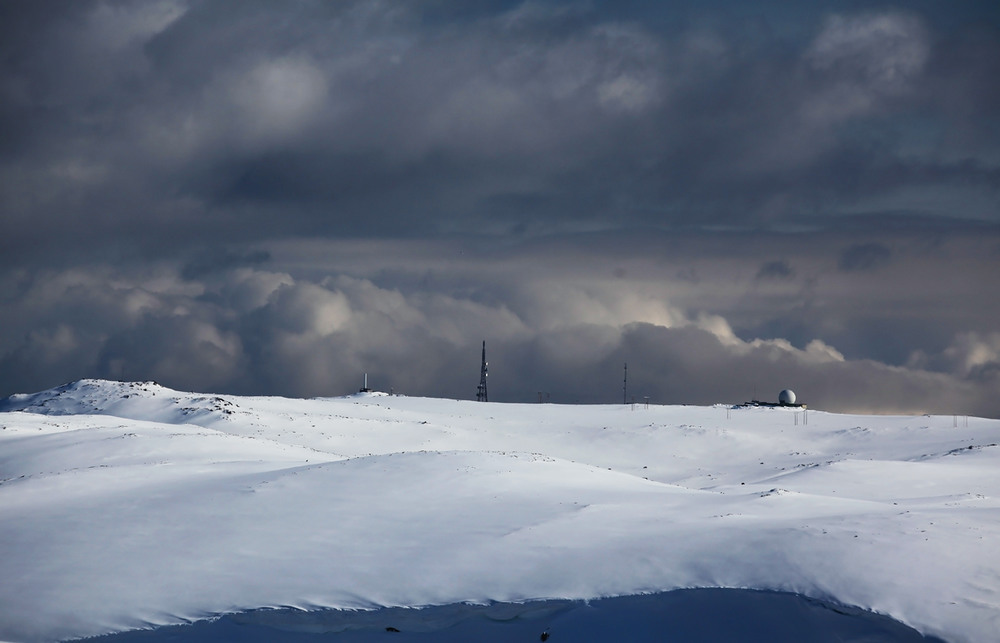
[{"x": 125, "y": 505}]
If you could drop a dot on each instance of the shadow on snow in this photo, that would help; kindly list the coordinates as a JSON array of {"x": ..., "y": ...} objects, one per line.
[{"x": 682, "y": 616}]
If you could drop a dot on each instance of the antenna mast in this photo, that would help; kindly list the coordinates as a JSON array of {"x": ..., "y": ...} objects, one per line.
[
  {"x": 625, "y": 386},
  {"x": 481, "y": 391}
]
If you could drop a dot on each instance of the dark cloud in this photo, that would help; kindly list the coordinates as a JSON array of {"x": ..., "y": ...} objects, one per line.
[
  {"x": 264, "y": 197},
  {"x": 222, "y": 259},
  {"x": 866, "y": 256},
  {"x": 530, "y": 117},
  {"x": 777, "y": 269}
]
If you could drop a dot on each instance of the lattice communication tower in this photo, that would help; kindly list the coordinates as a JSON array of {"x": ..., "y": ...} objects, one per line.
[{"x": 481, "y": 390}]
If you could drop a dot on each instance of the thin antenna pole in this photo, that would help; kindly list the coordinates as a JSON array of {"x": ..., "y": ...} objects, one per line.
[{"x": 625, "y": 386}]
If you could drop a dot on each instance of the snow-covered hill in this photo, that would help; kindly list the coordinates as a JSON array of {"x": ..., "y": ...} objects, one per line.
[{"x": 125, "y": 505}]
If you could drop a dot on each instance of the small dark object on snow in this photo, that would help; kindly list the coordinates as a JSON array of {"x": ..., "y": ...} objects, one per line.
[{"x": 391, "y": 629}]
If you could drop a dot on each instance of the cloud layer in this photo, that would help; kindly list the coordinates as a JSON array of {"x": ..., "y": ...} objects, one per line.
[
  {"x": 315, "y": 316},
  {"x": 277, "y": 199}
]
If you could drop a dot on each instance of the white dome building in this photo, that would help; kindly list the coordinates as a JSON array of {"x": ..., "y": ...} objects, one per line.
[{"x": 786, "y": 397}]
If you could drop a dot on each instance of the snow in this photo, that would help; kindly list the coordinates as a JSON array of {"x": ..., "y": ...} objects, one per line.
[{"x": 130, "y": 505}]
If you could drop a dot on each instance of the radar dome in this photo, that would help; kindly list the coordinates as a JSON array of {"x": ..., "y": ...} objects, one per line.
[{"x": 786, "y": 397}]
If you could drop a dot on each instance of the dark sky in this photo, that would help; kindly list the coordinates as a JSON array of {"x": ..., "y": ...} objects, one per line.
[{"x": 732, "y": 197}]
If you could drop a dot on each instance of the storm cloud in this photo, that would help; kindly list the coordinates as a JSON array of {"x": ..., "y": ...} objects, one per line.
[{"x": 263, "y": 198}]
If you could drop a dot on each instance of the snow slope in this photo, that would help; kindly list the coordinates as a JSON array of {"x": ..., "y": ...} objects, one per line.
[{"x": 126, "y": 505}]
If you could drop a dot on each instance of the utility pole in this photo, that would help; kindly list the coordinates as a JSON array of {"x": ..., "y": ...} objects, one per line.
[{"x": 481, "y": 391}]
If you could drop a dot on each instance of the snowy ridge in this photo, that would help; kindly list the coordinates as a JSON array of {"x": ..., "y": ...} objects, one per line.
[
  {"x": 136, "y": 400},
  {"x": 126, "y": 505}
]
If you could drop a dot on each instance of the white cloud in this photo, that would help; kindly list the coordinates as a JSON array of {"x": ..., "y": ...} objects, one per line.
[
  {"x": 862, "y": 60},
  {"x": 971, "y": 351},
  {"x": 274, "y": 100},
  {"x": 820, "y": 351},
  {"x": 882, "y": 52},
  {"x": 626, "y": 92},
  {"x": 303, "y": 308},
  {"x": 117, "y": 25},
  {"x": 246, "y": 289}
]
